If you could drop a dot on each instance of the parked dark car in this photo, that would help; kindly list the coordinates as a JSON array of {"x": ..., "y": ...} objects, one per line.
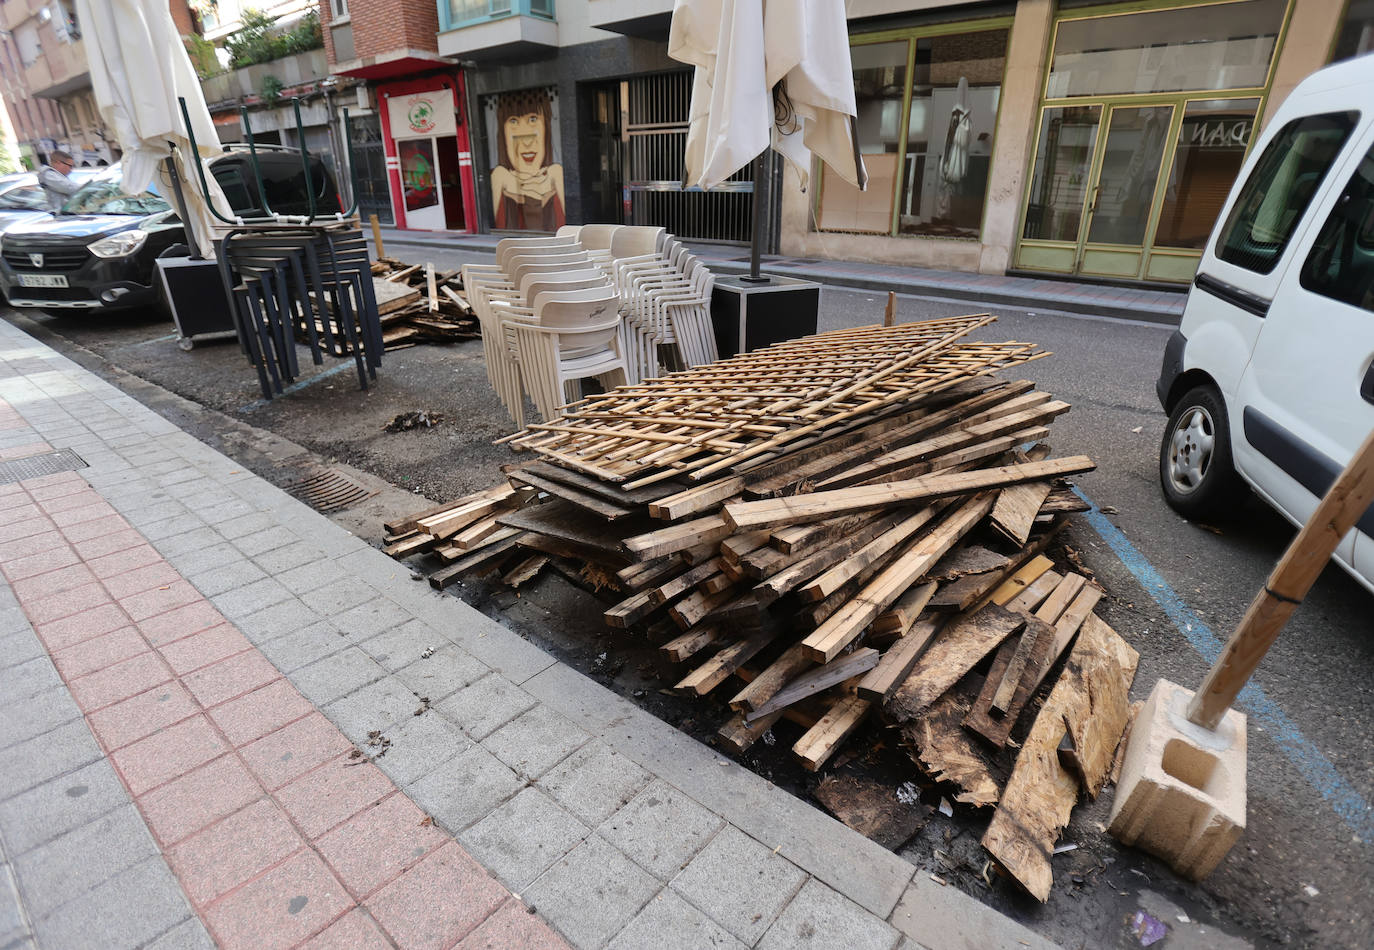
[{"x": 97, "y": 253}]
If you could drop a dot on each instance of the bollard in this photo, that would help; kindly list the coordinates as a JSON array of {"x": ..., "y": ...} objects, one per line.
[{"x": 1181, "y": 796}]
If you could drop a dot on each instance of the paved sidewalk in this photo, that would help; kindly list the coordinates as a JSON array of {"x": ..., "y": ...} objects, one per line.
[
  {"x": 226, "y": 721},
  {"x": 987, "y": 290}
]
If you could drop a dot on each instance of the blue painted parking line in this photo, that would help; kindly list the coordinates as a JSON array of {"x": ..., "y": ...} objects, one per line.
[
  {"x": 1344, "y": 799},
  {"x": 301, "y": 384}
]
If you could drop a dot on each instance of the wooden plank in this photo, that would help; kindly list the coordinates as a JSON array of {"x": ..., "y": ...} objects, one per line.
[
  {"x": 644, "y": 574},
  {"x": 797, "y": 573},
  {"x": 572, "y": 551},
  {"x": 853, "y": 565},
  {"x": 412, "y": 521},
  {"x": 443, "y": 578},
  {"x": 899, "y": 620},
  {"x": 791, "y": 664},
  {"x": 743, "y": 515},
  {"x": 818, "y": 680},
  {"x": 967, "y": 591},
  {"x": 613, "y": 493},
  {"x": 849, "y": 621},
  {"x": 962, "y": 643},
  {"x": 697, "y": 606},
  {"x": 821, "y": 740},
  {"x": 896, "y": 663},
  {"x": 1091, "y": 703},
  {"x": 1016, "y": 508},
  {"x": 695, "y": 500},
  {"x": 593, "y": 503},
  {"x": 804, "y": 539},
  {"x": 678, "y": 586},
  {"x": 525, "y": 570},
  {"x": 566, "y": 521},
  {"x": 415, "y": 544},
  {"x": 377, "y": 236},
  {"x": 738, "y": 736},
  {"x": 1059, "y": 599},
  {"x": 679, "y": 537},
  {"x": 715, "y": 670},
  {"x": 474, "y": 534},
  {"x": 1027, "y": 600},
  {"x": 690, "y": 643}
]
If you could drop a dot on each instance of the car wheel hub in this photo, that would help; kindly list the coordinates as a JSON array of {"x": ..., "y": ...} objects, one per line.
[{"x": 1190, "y": 450}]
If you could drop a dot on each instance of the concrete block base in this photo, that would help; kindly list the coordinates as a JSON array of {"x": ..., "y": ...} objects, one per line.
[{"x": 1181, "y": 796}]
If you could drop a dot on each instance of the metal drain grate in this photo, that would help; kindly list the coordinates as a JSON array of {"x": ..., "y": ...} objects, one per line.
[
  {"x": 36, "y": 466},
  {"x": 328, "y": 490}
]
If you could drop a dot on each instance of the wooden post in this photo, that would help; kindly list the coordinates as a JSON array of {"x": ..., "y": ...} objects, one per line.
[
  {"x": 1292, "y": 578},
  {"x": 377, "y": 236},
  {"x": 431, "y": 287},
  {"x": 890, "y": 315}
]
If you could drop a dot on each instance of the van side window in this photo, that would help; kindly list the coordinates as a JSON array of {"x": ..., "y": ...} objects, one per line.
[
  {"x": 1276, "y": 195},
  {"x": 1341, "y": 263},
  {"x": 230, "y": 178}
]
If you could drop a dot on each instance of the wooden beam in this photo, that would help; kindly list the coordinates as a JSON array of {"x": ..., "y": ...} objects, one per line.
[
  {"x": 1016, "y": 508},
  {"x": 852, "y": 566},
  {"x": 818, "y": 680},
  {"x": 715, "y": 670},
  {"x": 690, "y": 643},
  {"x": 799, "y": 509},
  {"x": 791, "y": 664},
  {"x": 822, "y": 739},
  {"x": 896, "y": 663},
  {"x": 679, "y": 537},
  {"x": 899, "y": 620},
  {"x": 695, "y": 500},
  {"x": 826, "y": 642}
]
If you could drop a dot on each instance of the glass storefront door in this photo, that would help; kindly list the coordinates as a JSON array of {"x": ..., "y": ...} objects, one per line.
[{"x": 1146, "y": 119}]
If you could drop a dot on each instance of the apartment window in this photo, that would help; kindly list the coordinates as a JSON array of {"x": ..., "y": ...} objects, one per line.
[
  {"x": 927, "y": 117},
  {"x": 338, "y": 9}
]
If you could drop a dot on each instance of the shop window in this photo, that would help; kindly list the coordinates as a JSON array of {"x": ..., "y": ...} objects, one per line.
[
  {"x": 1280, "y": 188},
  {"x": 1356, "y": 36},
  {"x": 1210, "y": 151},
  {"x": 1218, "y": 46},
  {"x": 956, "y": 86},
  {"x": 1341, "y": 263},
  {"x": 880, "y": 81},
  {"x": 928, "y": 161}
]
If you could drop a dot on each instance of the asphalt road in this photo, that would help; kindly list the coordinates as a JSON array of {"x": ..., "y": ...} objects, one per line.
[{"x": 1301, "y": 874}]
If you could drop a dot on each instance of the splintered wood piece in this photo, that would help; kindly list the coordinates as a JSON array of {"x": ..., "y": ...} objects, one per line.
[
  {"x": 1091, "y": 702},
  {"x": 896, "y": 663},
  {"x": 693, "y": 501},
  {"x": 708, "y": 530},
  {"x": 525, "y": 570},
  {"x": 1016, "y": 508},
  {"x": 873, "y": 809},
  {"x": 973, "y": 559},
  {"x": 716, "y": 670},
  {"x": 898, "y": 620},
  {"x": 822, "y": 739},
  {"x": 738, "y": 735},
  {"x": 800, "y": 509},
  {"x": 1049, "y": 645},
  {"x": 818, "y": 680},
  {"x": 697, "y": 606},
  {"x": 826, "y": 642},
  {"x": 792, "y": 663},
  {"x": 945, "y": 750},
  {"x": 962, "y": 643},
  {"x": 690, "y": 643}
]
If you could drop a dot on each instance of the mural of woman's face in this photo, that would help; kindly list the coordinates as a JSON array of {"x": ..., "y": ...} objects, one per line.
[{"x": 525, "y": 142}]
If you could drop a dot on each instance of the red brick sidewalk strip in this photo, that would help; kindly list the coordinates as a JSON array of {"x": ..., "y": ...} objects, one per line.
[{"x": 280, "y": 833}]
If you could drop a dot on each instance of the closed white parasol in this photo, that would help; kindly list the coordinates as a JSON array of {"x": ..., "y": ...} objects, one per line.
[{"x": 138, "y": 70}]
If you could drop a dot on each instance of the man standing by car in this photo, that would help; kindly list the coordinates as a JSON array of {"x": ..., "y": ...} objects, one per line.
[{"x": 56, "y": 185}]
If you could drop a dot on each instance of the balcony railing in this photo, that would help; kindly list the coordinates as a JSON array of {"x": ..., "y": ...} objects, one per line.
[{"x": 456, "y": 14}]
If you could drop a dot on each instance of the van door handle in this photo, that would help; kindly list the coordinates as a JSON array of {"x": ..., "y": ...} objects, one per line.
[{"x": 1367, "y": 387}]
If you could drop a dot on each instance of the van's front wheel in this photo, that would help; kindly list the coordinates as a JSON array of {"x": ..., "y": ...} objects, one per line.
[{"x": 1196, "y": 471}]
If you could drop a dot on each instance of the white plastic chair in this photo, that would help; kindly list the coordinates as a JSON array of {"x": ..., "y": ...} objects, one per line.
[{"x": 574, "y": 335}]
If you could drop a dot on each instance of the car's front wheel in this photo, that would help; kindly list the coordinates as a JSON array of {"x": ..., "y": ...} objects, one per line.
[{"x": 1196, "y": 471}]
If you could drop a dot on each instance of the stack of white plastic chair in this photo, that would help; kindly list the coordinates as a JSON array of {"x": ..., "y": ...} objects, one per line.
[
  {"x": 666, "y": 299},
  {"x": 574, "y": 335},
  {"x": 596, "y": 240}
]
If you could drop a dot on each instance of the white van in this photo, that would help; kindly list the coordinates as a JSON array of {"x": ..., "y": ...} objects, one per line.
[{"x": 1270, "y": 377}]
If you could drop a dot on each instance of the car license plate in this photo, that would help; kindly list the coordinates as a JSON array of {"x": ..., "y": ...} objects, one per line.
[{"x": 42, "y": 280}]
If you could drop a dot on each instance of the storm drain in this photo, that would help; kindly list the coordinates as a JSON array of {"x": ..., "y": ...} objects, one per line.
[
  {"x": 328, "y": 490},
  {"x": 36, "y": 466}
]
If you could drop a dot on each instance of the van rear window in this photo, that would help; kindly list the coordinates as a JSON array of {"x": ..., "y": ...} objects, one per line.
[
  {"x": 1341, "y": 262},
  {"x": 1277, "y": 193}
]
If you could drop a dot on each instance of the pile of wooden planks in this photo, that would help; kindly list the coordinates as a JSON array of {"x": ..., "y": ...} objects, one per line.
[
  {"x": 838, "y": 529},
  {"x": 416, "y": 304}
]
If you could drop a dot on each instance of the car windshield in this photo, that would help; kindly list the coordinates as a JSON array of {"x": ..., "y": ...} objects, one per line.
[{"x": 103, "y": 196}]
